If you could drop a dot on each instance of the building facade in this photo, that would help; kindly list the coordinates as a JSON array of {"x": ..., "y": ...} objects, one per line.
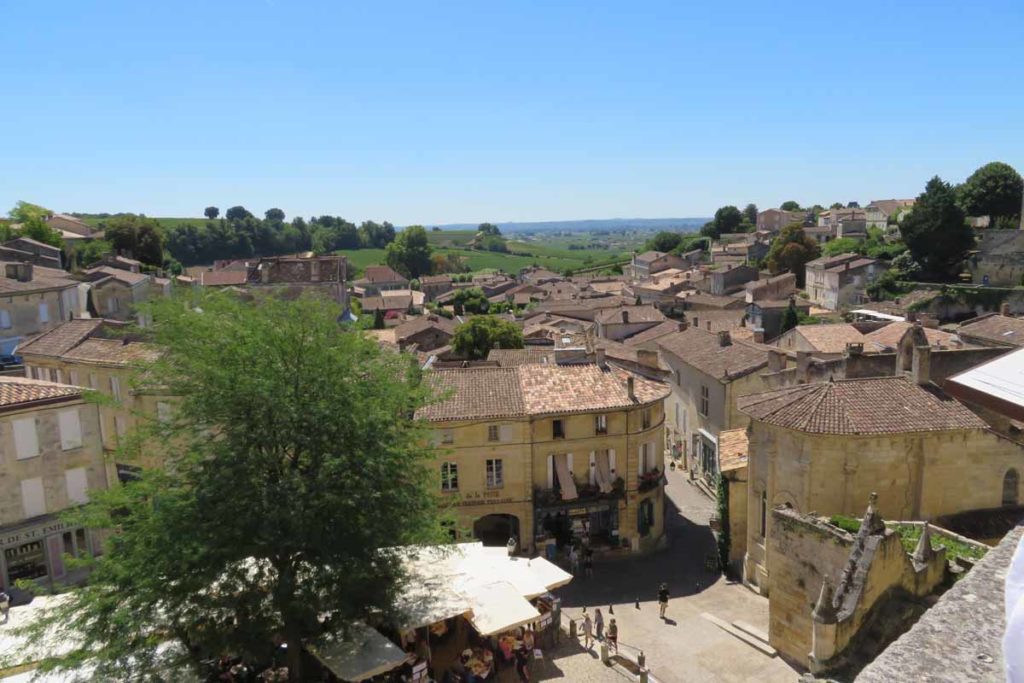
[
  {"x": 550, "y": 452},
  {"x": 33, "y": 300},
  {"x": 833, "y": 282}
]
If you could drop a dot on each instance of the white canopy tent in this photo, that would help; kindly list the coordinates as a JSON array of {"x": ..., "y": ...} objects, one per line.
[{"x": 364, "y": 654}]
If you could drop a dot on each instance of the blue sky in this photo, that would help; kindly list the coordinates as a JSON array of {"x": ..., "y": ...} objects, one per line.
[{"x": 470, "y": 111}]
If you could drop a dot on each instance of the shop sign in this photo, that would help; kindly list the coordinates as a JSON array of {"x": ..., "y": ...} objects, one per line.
[
  {"x": 485, "y": 499},
  {"x": 19, "y": 537}
]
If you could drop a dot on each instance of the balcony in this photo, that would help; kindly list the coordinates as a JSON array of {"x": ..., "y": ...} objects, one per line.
[
  {"x": 650, "y": 480},
  {"x": 585, "y": 493}
]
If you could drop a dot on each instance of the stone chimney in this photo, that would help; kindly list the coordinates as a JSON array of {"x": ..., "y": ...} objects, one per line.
[
  {"x": 923, "y": 552},
  {"x": 724, "y": 338},
  {"x": 625, "y": 317},
  {"x": 854, "y": 349},
  {"x": 803, "y": 366},
  {"x": 1004, "y": 308},
  {"x": 601, "y": 360},
  {"x": 631, "y": 388},
  {"x": 759, "y": 335},
  {"x": 647, "y": 358},
  {"x": 921, "y": 369},
  {"x": 776, "y": 360}
]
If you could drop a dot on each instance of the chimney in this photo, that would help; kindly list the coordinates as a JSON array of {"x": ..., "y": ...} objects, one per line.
[
  {"x": 1004, "y": 308},
  {"x": 625, "y": 316},
  {"x": 630, "y": 389},
  {"x": 920, "y": 369},
  {"x": 724, "y": 338},
  {"x": 759, "y": 335},
  {"x": 854, "y": 349},
  {"x": 681, "y": 325},
  {"x": 776, "y": 360},
  {"x": 647, "y": 358},
  {"x": 803, "y": 366},
  {"x": 601, "y": 361}
]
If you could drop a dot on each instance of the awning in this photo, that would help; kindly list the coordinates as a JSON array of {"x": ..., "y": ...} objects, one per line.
[
  {"x": 498, "y": 607},
  {"x": 530, "y": 576},
  {"x": 364, "y": 654},
  {"x": 603, "y": 473},
  {"x": 565, "y": 479},
  {"x": 9, "y": 346}
]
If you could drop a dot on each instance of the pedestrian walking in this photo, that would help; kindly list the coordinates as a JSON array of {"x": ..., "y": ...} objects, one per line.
[
  {"x": 613, "y": 635},
  {"x": 663, "y": 599},
  {"x": 599, "y": 623},
  {"x": 588, "y": 631},
  {"x": 523, "y": 662},
  {"x": 574, "y": 560},
  {"x": 5, "y": 605},
  {"x": 588, "y": 562}
]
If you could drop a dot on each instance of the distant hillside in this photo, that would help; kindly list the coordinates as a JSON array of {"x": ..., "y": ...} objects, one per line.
[{"x": 589, "y": 225}]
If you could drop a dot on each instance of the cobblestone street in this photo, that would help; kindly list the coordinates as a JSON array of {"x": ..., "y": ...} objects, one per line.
[{"x": 685, "y": 647}]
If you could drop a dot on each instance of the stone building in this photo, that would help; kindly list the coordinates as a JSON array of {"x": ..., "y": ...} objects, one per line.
[
  {"x": 550, "y": 451},
  {"x": 434, "y": 286},
  {"x": 826, "y": 447},
  {"x": 993, "y": 329},
  {"x": 774, "y": 220},
  {"x": 377, "y": 279},
  {"x": 33, "y": 300},
  {"x": 620, "y": 323},
  {"x": 823, "y": 341},
  {"x": 834, "y": 282},
  {"x": 643, "y": 266},
  {"x": 115, "y": 293},
  {"x": 51, "y": 456},
  {"x": 998, "y": 260},
  {"x": 23, "y": 249}
]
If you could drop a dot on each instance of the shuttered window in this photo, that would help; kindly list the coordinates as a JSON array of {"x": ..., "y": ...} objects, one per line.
[{"x": 70, "y": 429}]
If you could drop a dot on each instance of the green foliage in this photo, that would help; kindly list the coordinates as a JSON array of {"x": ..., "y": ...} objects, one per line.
[
  {"x": 276, "y": 215},
  {"x": 935, "y": 232},
  {"x": 664, "y": 241},
  {"x": 32, "y": 219},
  {"x": 475, "y": 338},
  {"x": 378, "y": 319},
  {"x": 493, "y": 242},
  {"x": 790, "y": 206},
  {"x": 842, "y": 245},
  {"x": 791, "y": 318},
  {"x": 750, "y": 214},
  {"x": 24, "y": 212},
  {"x": 410, "y": 253},
  {"x": 237, "y": 213},
  {"x": 724, "y": 540},
  {"x": 283, "y": 523},
  {"x": 993, "y": 190},
  {"x": 489, "y": 229},
  {"x": 911, "y": 534},
  {"x": 849, "y": 524},
  {"x": 470, "y": 300},
  {"x": 211, "y": 212},
  {"x": 791, "y": 251},
  {"x": 138, "y": 237},
  {"x": 727, "y": 219}
]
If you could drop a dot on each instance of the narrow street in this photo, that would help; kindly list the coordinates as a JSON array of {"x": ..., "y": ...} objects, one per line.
[{"x": 685, "y": 647}]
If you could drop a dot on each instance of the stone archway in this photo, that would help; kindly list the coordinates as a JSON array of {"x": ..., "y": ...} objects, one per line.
[
  {"x": 495, "y": 530},
  {"x": 1011, "y": 487}
]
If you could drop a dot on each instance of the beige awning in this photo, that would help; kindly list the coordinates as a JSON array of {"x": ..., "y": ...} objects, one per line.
[
  {"x": 565, "y": 480},
  {"x": 604, "y": 474}
]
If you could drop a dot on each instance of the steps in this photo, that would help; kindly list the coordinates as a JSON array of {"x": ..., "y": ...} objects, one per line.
[{"x": 746, "y": 634}]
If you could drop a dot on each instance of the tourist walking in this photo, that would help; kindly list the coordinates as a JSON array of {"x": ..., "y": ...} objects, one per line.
[
  {"x": 663, "y": 599},
  {"x": 613, "y": 635},
  {"x": 574, "y": 560},
  {"x": 523, "y": 662},
  {"x": 599, "y": 623},
  {"x": 588, "y": 562},
  {"x": 588, "y": 631},
  {"x": 5, "y": 606}
]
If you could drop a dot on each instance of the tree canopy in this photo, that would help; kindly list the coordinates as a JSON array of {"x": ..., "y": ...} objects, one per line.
[
  {"x": 727, "y": 219},
  {"x": 137, "y": 236},
  {"x": 237, "y": 213},
  {"x": 274, "y": 215},
  {"x": 470, "y": 300},
  {"x": 664, "y": 241},
  {"x": 488, "y": 229},
  {"x": 790, "y": 206},
  {"x": 32, "y": 219},
  {"x": 211, "y": 212},
  {"x": 283, "y": 526},
  {"x": 475, "y": 338},
  {"x": 790, "y": 319},
  {"x": 410, "y": 253},
  {"x": 750, "y": 213},
  {"x": 936, "y": 232},
  {"x": 993, "y": 190},
  {"x": 791, "y": 251}
]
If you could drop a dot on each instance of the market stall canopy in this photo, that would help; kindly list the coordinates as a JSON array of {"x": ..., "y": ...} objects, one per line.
[
  {"x": 364, "y": 654},
  {"x": 498, "y": 607},
  {"x": 532, "y": 576}
]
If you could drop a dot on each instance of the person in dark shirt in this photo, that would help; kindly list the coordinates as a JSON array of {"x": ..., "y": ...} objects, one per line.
[{"x": 663, "y": 599}]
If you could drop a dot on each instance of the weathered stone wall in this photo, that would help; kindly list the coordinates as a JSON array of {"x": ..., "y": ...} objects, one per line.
[{"x": 737, "y": 518}]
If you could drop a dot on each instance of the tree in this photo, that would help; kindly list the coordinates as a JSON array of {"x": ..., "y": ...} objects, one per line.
[
  {"x": 471, "y": 300},
  {"x": 835, "y": 205},
  {"x": 237, "y": 213},
  {"x": 409, "y": 254},
  {"x": 285, "y": 524},
  {"x": 790, "y": 319},
  {"x": 842, "y": 245},
  {"x": 37, "y": 229},
  {"x": 936, "y": 231},
  {"x": 138, "y": 236},
  {"x": 475, "y": 338},
  {"x": 376, "y": 235},
  {"x": 664, "y": 241},
  {"x": 274, "y": 215},
  {"x": 727, "y": 219},
  {"x": 852, "y": 205},
  {"x": 993, "y": 190},
  {"x": 790, "y": 206},
  {"x": 489, "y": 229},
  {"x": 211, "y": 212},
  {"x": 791, "y": 251},
  {"x": 723, "y": 541},
  {"x": 750, "y": 213},
  {"x": 378, "y": 319}
]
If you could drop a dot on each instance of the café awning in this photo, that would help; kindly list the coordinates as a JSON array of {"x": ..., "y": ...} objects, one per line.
[
  {"x": 363, "y": 655},
  {"x": 498, "y": 607}
]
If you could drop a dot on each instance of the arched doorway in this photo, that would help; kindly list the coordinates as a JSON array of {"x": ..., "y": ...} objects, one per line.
[
  {"x": 496, "y": 529},
  {"x": 1011, "y": 486}
]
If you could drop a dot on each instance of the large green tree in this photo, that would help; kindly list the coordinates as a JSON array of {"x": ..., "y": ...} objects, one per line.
[
  {"x": 790, "y": 206},
  {"x": 993, "y": 190},
  {"x": 664, "y": 241},
  {"x": 791, "y": 251},
  {"x": 477, "y": 336},
  {"x": 292, "y": 473},
  {"x": 32, "y": 221},
  {"x": 138, "y": 236},
  {"x": 936, "y": 231},
  {"x": 727, "y": 219},
  {"x": 750, "y": 214},
  {"x": 409, "y": 254}
]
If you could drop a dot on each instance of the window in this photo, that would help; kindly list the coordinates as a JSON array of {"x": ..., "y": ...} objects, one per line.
[
  {"x": 115, "y": 388},
  {"x": 493, "y": 433},
  {"x": 704, "y": 400},
  {"x": 558, "y": 429},
  {"x": 645, "y": 517},
  {"x": 601, "y": 424},
  {"x": 163, "y": 411},
  {"x": 94, "y": 383},
  {"x": 645, "y": 418},
  {"x": 73, "y": 378},
  {"x": 447, "y": 436},
  {"x": 26, "y": 441},
  {"x": 449, "y": 476},
  {"x": 1011, "y": 483},
  {"x": 495, "y": 476},
  {"x": 33, "y": 500},
  {"x": 113, "y": 304},
  {"x": 679, "y": 377},
  {"x": 764, "y": 513},
  {"x": 645, "y": 458},
  {"x": 70, "y": 428},
  {"x": 76, "y": 483},
  {"x": 58, "y": 376},
  {"x": 5, "y": 319},
  {"x": 120, "y": 425},
  {"x": 44, "y": 312}
]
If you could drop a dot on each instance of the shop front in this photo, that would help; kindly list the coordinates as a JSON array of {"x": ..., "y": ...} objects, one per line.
[
  {"x": 576, "y": 522},
  {"x": 36, "y": 550}
]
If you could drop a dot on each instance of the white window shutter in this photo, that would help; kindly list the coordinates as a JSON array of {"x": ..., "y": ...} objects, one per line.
[
  {"x": 593, "y": 468},
  {"x": 640, "y": 459},
  {"x": 77, "y": 484},
  {"x": 33, "y": 499},
  {"x": 505, "y": 433},
  {"x": 73, "y": 377},
  {"x": 568, "y": 462},
  {"x": 26, "y": 440},
  {"x": 611, "y": 461},
  {"x": 44, "y": 312},
  {"x": 70, "y": 429},
  {"x": 551, "y": 471}
]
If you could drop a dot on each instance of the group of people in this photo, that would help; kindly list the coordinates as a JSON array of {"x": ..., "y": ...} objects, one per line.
[
  {"x": 588, "y": 560},
  {"x": 597, "y": 623}
]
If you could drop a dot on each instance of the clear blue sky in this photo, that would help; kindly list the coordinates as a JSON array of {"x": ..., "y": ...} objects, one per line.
[{"x": 440, "y": 112}]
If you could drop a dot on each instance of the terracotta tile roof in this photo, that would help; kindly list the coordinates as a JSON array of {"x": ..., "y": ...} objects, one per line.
[
  {"x": 62, "y": 338},
  {"x": 636, "y": 314},
  {"x": 424, "y": 322},
  {"x": 656, "y": 332},
  {"x": 728, "y": 319},
  {"x": 510, "y": 358},
  {"x": 533, "y": 389},
  {"x": 714, "y": 301},
  {"x": 42, "y": 278},
  {"x": 890, "y": 206},
  {"x": 829, "y": 338},
  {"x": 20, "y": 390},
  {"x": 733, "y": 448},
  {"x": 125, "y": 276},
  {"x": 995, "y": 328},
  {"x": 879, "y": 405},
  {"x": 435, "y": 279},
  {"x": 375, "y": 274},
  {"x": 649, "y": 256},
  {"x": 703, "y": 351},
  {"x": 889, "y": 337},
  {"x": 113, "y": 352},
  {"x": 222, "y": 278}
]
